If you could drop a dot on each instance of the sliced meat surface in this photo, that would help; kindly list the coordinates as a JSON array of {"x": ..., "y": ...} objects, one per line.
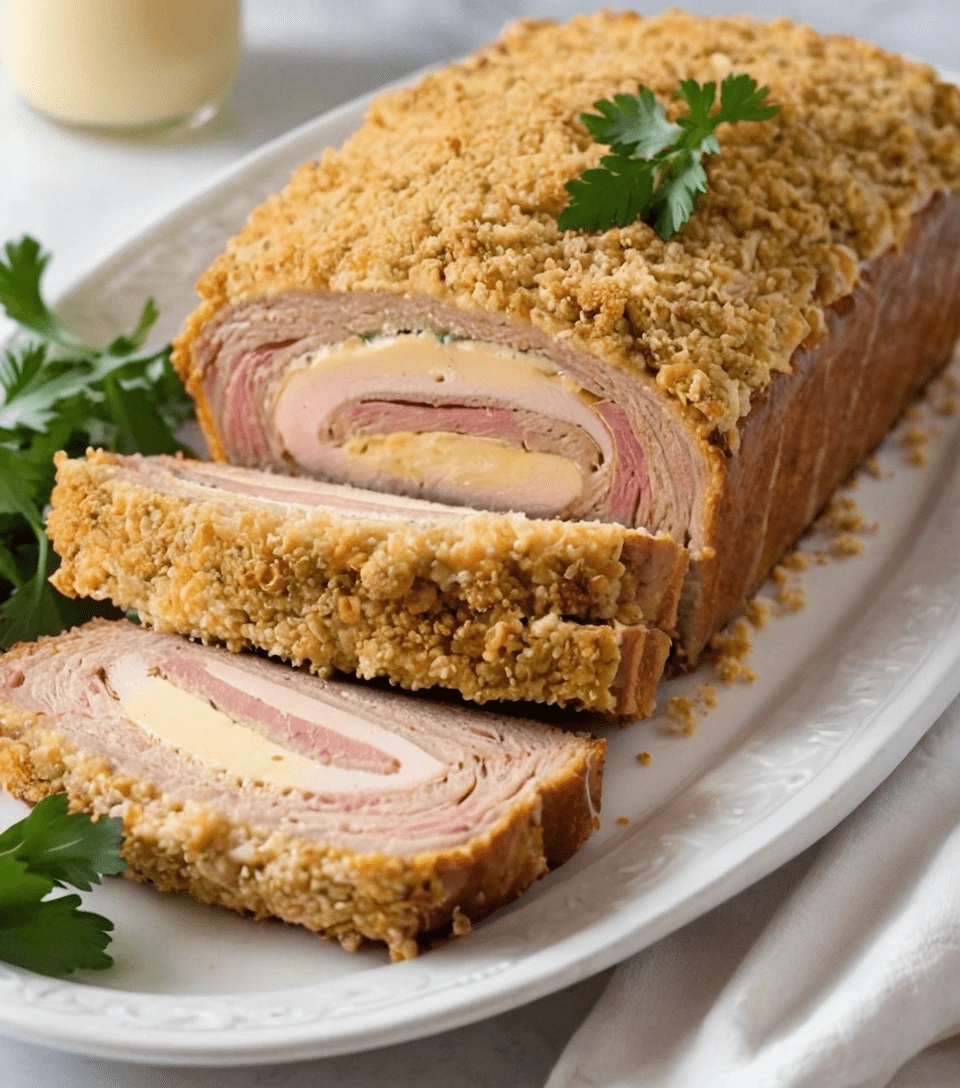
[
  {"x": 355, "y": 812},
  {"x": 494, "y": 606}
]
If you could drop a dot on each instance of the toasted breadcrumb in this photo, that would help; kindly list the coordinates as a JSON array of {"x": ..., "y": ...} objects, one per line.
[
  {"x": 845, "y": 545},
  {"x": 914, "y": 440},
  {"x": 452, "y": 188},
  {"x": 683, "y": 711},
  {"x": 461, "y": 924},
  {"x": 843, "y": 515},
  {"x": 757, "y": 612},
  {"x": 793, "y": 598},
  {"x": 735, "y": 641},
  {"x": 623, "y": 820},
  {"x": 729, "y": 650},
  {"x": 873, "y": 468},
  {"x": 796, "y": 561},
  {"x": 644, "y": 758},
  {"x": 680, "y": 712},
  {"x": 707, "y": 695}
]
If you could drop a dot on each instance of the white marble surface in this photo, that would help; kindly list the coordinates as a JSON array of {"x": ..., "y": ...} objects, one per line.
[{"x": 82, "y": 194}]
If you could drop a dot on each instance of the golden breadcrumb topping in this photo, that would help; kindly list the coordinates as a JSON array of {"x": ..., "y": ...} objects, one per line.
[{"x": 451, "y": 189}]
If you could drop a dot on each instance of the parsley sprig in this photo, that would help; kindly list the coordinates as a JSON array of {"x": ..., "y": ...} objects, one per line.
[
  {"x": 47, "y": 850},
  {"x": 655, "y": 169},
  {"x": 59, "y": 393}
]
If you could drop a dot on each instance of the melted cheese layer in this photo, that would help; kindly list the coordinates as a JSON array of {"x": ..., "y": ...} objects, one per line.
[
  {"x": 420, "y": 369},
  {"x": 196, "y": 728},
  {"x": 484, "y": 468}
]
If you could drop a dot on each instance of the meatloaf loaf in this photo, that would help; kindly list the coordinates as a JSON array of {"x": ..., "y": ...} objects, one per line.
[
  {"x": 406, "y": 315},
  {"x": 495, "y": 606},
  {"x": 354, "y": 812}
]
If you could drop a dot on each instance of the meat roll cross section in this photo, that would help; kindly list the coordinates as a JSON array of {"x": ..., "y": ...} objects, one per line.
[
  {"x": 354, "y": 812},
  {"x": 494, "y": 606}
]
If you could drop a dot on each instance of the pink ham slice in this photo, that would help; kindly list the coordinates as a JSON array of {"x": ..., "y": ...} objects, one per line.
[{"x": 324, "y": 745}]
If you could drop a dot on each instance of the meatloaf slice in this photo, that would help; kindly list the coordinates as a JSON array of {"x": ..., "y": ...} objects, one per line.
[
  {"x": 353, "y": 812},
  {"x": 494, "y": 606},
  {"x": 407, "y": 316}
]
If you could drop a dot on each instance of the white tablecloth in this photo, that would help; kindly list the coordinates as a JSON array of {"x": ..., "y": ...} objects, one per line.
[
  {"x": 834, "y": 972},
  {"x": 81, "y": 195}
]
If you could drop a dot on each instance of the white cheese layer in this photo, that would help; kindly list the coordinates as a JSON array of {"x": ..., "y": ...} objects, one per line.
[{"x": 196, "y": 728}]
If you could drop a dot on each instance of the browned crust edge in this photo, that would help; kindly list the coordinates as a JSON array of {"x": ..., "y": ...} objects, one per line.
[
  {"x": 182, "y": 845},
  {"x": 810, "y": 429}
]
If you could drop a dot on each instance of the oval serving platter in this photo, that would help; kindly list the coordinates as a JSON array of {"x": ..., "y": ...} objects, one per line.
[{"x": 845, "y": 687}]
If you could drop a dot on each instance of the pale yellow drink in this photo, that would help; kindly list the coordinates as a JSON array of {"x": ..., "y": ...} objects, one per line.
[{"x": 121, "y": 63}]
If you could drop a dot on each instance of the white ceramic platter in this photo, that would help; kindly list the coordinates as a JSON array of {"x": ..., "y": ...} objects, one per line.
[{"x": 845, "y": 688}]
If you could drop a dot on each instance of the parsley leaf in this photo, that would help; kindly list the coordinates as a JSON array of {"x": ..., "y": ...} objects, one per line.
[
  {"x": 632, "y": 124},
  {"x": 65, "y": 848},
  {"x": 19, "y": 888},
  {"x": 57, "y": 393},
  {"x": 48, "y": 849},
  {"x": 656, "y": 171},
  {"x": 742, "y": 100},
  {"x": 21, "y": 270},
  {"x": 52, "y": 937},
  {"x": 677, "y": 192},
  {"x": 617, "y": 193}
]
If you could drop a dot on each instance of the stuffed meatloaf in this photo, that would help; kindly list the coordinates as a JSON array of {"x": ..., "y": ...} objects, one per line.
[
  {"x": 407, "y": 316},
  {"x": 495, "y": 606},
  {"x": 354, "y": 812}
]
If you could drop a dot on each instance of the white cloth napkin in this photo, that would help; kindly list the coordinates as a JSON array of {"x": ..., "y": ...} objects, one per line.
[{"x": 832, "y": 973}]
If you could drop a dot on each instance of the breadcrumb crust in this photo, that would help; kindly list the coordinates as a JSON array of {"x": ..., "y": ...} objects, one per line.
[
  {"x": 451, "y": 189},
  {"x": 471, "y": 605},
  {"x": 183, "y": 845}
]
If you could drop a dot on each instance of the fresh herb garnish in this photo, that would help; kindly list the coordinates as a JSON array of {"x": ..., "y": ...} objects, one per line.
[
  {"x": 58, "y": 393},
  {"x": 52, "y": 849},
  {"x": 655, "y": 170}
]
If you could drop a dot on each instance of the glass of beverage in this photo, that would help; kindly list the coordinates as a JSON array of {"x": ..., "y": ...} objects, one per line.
[{"x": 122, "y": 64}]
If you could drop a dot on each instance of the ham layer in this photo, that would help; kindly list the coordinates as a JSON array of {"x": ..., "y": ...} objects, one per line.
[{"x": 441, "y": 414}]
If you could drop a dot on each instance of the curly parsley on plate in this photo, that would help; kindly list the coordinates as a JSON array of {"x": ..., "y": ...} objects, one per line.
[
  {"x": 52, "y": 849},
  {"x": 58, "y": 393}
]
